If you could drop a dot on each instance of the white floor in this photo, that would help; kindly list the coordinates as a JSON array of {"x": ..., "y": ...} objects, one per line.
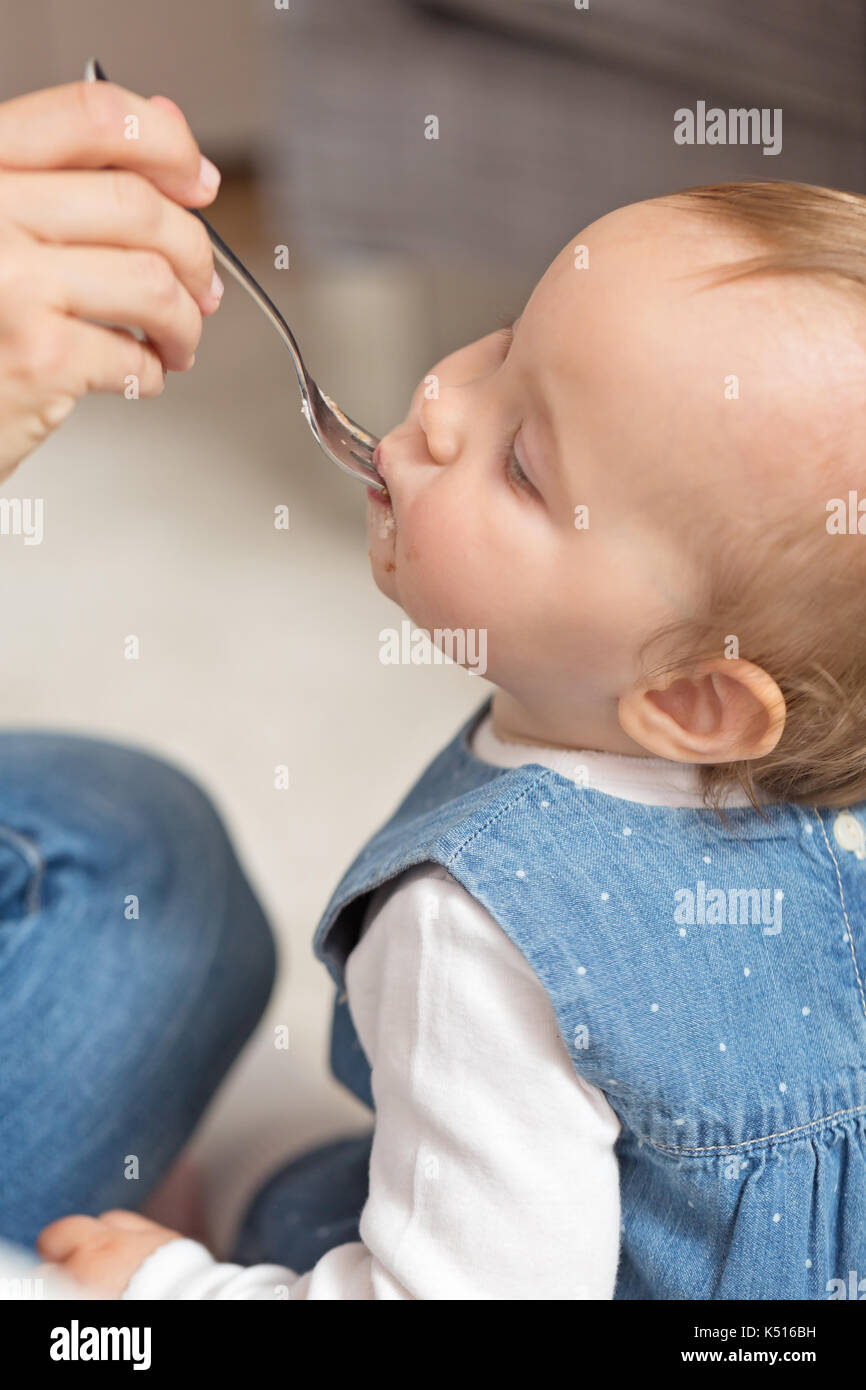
[{"x": 258, "y": 646}]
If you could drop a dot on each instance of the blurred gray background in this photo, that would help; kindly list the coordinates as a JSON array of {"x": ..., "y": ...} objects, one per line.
[{"x": 260, "y": 646}]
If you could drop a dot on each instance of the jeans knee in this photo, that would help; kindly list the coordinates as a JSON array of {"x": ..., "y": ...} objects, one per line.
[
  {"x": 124, "y": 836},
  {"x": 180, "y": 850}
]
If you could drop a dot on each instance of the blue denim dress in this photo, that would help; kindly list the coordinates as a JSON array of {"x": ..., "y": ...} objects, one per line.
[{"x": 708, "y": 978}]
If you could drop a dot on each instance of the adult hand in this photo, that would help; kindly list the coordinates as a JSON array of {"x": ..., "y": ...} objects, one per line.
[{"x": 94, "y": 186}]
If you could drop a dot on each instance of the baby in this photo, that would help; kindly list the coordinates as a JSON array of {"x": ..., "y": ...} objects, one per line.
[{"x": 601, "y": 974}]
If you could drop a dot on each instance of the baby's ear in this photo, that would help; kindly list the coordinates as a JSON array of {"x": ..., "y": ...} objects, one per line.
[{"x": 719, "y": 711}]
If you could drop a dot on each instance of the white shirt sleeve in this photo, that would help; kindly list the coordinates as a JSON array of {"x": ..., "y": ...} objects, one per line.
[{"x": 492, "y": 1173}]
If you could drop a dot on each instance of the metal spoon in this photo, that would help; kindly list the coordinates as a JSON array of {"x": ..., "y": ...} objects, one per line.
[{"x": 346, "y": 443}]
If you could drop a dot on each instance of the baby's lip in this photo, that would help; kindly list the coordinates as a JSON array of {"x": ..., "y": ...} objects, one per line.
[
  {"x": 379, "y": 465},
  {"x": 377, "y": 461}
]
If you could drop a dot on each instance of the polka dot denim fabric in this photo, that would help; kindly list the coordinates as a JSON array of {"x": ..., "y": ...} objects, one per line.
[{"x": 708, "y": 977}]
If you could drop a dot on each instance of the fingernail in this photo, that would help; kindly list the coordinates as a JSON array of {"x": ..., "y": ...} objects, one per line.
[
  {"x": 216, "y": 287},
  {"x": 209, "y": 175}
]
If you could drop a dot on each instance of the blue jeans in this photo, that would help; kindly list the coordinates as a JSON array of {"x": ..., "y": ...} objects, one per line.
[{"x": 135, "y": 963}]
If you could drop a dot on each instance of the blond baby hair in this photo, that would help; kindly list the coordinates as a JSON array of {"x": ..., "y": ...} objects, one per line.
[{"x": 810, "y": 635}]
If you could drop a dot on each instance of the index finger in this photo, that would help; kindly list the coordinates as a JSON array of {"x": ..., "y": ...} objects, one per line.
[{"x": 99, "y": 125}]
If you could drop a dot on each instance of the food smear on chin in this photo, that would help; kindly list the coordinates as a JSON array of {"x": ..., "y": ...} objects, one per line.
[{"x": 386, "y": 525}]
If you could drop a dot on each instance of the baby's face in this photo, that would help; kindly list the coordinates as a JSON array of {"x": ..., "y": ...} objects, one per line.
[{"x": 609, "y": 404}]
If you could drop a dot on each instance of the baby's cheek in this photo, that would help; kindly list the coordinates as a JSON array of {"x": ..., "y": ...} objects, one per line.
[
  {"x": 430, "y": 536},
  {"x": 442, "y": 569}
]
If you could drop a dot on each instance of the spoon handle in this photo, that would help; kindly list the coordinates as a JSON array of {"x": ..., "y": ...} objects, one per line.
[{"x": 94, "y": 72}]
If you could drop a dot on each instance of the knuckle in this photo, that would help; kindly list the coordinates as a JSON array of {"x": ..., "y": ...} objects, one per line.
[
  {"x": 158, "y": 276},
  {"x": 20, "y": 280},
  {"x": 135, "y": 199},
  {"x": 101, "y": 105},
  {"x": 39, "y": 354}
]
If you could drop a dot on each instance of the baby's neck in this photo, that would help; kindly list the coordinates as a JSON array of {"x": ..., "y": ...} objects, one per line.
[{"x": 515, "y": 721}]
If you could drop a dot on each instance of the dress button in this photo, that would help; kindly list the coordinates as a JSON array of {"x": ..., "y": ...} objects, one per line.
[{"x": 850, "y": 834}]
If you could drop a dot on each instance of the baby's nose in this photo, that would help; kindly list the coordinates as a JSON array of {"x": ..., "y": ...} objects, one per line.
[{"x": 440, "y": 422}]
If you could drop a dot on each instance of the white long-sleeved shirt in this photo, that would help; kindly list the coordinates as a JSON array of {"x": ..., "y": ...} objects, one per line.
[{"x": 492, "y": 1172}]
